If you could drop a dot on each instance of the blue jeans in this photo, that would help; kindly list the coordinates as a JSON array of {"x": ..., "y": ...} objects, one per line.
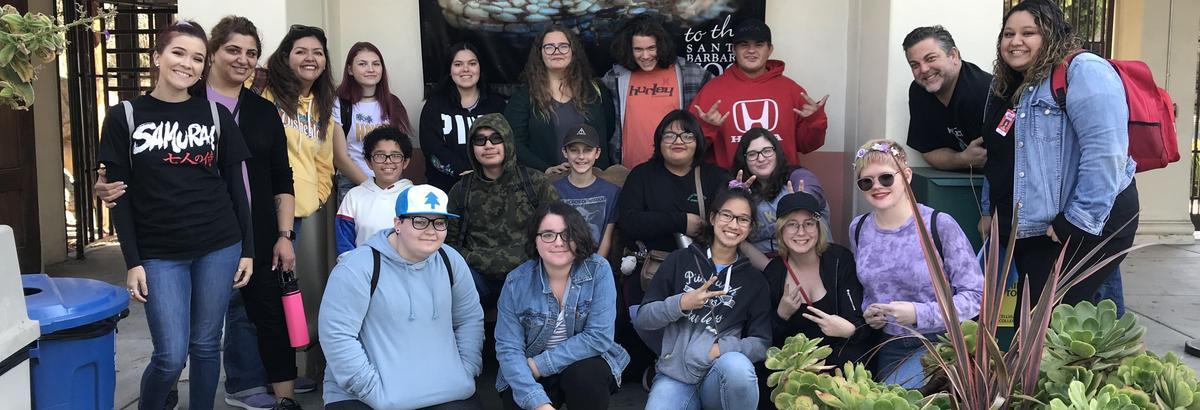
[
  {"x": 899, "y": 362},
  {"x": 244, "y": 372},
  {"x": 730, "y": 384},
  {"x": 185, "y": 310},
  {"x": 1113, "y": 289}
]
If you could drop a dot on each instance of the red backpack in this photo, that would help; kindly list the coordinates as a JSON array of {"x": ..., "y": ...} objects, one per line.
[{"x": 1152, "y": 140}]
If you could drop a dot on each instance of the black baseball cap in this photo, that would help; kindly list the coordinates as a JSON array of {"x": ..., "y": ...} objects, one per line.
[
  {"x": 584, "y": 134},
  {"x": 797, "y": 201},
  {"x": 752, "y": 30}
]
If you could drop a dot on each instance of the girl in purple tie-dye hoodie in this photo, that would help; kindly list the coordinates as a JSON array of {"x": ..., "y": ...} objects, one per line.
[{"x": 898, "y": 292}]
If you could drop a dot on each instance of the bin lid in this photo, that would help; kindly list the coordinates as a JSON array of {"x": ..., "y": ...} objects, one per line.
[{"x": 64, "y": 303}]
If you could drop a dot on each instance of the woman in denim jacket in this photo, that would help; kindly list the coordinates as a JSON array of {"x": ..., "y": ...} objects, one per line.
[
  {"x": 1066, "y": 173},
  {"x": 554, "y": 328}
]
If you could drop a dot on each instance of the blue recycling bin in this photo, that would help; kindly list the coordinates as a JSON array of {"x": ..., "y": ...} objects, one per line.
[{"x": 74, "y": 361}]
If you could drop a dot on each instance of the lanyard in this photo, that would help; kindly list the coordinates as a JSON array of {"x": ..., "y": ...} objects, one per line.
[{"x": 796, "y": 278}]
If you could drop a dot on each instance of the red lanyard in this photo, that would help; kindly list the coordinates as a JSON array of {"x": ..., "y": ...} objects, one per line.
[{"x": 796, "y": 278}]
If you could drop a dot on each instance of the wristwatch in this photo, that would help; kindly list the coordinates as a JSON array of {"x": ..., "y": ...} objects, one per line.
[{"x": 288, "y": 234}]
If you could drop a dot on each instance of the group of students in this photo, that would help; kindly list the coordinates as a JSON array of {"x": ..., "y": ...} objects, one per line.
[{"x": 512, "y": 242}]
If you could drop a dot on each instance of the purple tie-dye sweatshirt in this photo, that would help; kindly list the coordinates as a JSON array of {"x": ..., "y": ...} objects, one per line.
[{"x": 892, "y": 267}]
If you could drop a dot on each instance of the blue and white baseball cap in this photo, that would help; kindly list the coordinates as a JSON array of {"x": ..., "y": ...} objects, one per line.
[{"x": 422, "y": 199}]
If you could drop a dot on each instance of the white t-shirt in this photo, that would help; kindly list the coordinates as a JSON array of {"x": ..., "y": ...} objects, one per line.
[{"x": 368, "y": 115}]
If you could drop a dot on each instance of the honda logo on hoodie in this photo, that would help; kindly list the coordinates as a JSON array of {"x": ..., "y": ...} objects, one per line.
[{"x": 762, "y": 113}]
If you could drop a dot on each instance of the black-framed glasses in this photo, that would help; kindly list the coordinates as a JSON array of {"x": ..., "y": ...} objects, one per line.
[
  {"x": 765, "y": 153},
  {"x": 551, "y": 236},
  {"x": 726, "y": 216},
  {"x": 808, "y": 225},
  {"x": 684, "y": 137},
  {"x": 560, "y": 48},
  {"x": 394, "y": 157},
  {"x": 298, "y": 27},
  {"x": 421, "y": 223},
  {"x": 480, "y": 140},
  {"x": 885, "y": 180}
]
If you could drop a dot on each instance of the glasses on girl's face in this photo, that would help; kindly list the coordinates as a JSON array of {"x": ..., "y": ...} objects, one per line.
[
  {"x": 765, "y": 153},
  {"x": 885, "y": 180},
  {"x": 560, "y": 48},
  {"x": 421, "y": 223},
  {"x": 808, "y": 225},
  {"x": 684, "y": 137},
  {"x": 551, "y": 236},
  {"x": 726, "y": 216},
  {"x": 380, "y": 157},
  {"x": 480, "y": 140}
]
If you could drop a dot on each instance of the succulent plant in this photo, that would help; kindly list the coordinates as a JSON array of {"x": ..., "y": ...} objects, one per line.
[
  {"x": 946, "y": 351},
  {"x": 1056, "y": 384},
  {"x": 1170, "y": 382},
  {"x": 1108, "y": 397},
  {"x": 26, "y": 43},
  {"x": 1091, "y": 336},
  {"x": 801, "y": 381}
]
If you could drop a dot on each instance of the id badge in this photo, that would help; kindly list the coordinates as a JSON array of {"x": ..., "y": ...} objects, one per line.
[{"x": 1006, "y": 123}]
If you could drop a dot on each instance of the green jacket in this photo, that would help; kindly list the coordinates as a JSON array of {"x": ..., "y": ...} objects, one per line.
[
  {"x": 537, "y": 144},
  {"x": 495, "y": 212}
]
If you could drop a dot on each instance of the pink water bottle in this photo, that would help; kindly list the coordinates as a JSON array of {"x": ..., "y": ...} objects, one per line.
[{"x": 293, "y": 309}]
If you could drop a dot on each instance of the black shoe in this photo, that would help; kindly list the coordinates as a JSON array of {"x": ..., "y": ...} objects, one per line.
[
  {"x": 172, "y": 399},
  {"x": 287, "y": 404}
]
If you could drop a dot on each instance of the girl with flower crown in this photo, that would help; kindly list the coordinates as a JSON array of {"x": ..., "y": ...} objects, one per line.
[{"x": 898, "y": 293}]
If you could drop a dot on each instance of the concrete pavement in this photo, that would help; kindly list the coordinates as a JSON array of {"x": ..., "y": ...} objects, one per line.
[{"x": 1162, "y": 286}]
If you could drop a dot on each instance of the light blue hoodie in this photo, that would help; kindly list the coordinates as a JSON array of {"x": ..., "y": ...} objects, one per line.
[{"x": 414, "y": 343}]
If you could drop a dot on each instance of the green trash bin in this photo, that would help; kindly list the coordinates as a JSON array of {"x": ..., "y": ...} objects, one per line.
[{"x": 955, "y": 193}]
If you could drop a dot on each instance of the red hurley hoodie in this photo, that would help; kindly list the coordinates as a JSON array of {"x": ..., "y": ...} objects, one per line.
[{"x": 767, "y": 102}]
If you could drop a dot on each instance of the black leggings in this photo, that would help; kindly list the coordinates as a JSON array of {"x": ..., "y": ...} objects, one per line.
[
  {"x": 1036, "y": 256},
  {"x": 583, "y": 385},
  {"x": 470, "y": 403},
  {"x": 264, "y": 307}
]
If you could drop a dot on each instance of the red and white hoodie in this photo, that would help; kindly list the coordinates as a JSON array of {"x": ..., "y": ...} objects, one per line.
[{"x": 766, "y": 101}]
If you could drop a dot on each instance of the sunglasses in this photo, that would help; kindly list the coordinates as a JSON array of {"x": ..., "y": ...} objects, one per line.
[
  {"x": 301, "y": 27},
  {"x": 885, "y": 180},
  {"x": 480, "y": 140}
]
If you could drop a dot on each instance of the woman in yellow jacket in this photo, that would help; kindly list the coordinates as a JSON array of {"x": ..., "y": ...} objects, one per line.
[{"x": 301, "y": 87}]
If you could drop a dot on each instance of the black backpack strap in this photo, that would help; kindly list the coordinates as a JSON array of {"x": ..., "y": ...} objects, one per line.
[
  {"x": 858, "y": 228},
  {"x": 466, "y": 209},
  {"x": 937, "y": 237},
  {"x": 374, "y": 270},
  {"x": 529, "y": 194},
  {"x": 449, "y": 267},
  {"x": 346, "y": 110}
]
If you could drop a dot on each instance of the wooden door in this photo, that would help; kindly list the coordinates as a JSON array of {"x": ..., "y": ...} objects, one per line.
[{"x": 18, "y": 179}]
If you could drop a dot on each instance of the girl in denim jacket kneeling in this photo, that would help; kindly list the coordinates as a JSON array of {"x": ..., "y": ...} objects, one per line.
[{"x": 555, "y": 319}]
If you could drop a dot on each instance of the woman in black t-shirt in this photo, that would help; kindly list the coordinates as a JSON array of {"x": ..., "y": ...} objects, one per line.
[{"x": 185, "y": 222}]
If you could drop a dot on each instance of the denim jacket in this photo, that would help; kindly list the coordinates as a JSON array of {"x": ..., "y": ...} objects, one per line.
[
  {"x": 1073, "y": 164},
  {"x": 527, "y": 313}
]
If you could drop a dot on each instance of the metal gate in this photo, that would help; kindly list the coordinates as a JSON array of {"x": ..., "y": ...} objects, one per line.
[
  {"x": 1195, "y": 201},
  {"x": 1092, "y": 21},
  {"x": 102, "y": 69}
]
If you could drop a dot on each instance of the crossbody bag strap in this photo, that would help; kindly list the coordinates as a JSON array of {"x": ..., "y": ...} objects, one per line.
[
  {"x": 212, "y": 106},
  {"x": 700, "y": 194}
]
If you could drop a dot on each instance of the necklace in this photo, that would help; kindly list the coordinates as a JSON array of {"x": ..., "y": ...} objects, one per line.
[{"x": 796, "y": 279}]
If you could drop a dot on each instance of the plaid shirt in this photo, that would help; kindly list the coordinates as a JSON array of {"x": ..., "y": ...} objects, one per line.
[{"x": 691, "y": 78}]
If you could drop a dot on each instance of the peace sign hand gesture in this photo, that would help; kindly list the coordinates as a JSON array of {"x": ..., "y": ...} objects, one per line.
[
  {"x": 712, "y": 116},
  {"x": 791, "y": 189},
  {"x": 831, "y": 325},
  {"x": 746, "y": 183},
  {"x": 810, "y": 106},
  {"x": 696, "y": 298}
]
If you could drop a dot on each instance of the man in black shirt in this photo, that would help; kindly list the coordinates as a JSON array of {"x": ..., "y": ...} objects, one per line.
[{"x": 945, "y": 101}]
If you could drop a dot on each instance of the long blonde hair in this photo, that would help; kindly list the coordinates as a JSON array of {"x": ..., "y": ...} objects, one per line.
[{"x": 1057, "y": 42}]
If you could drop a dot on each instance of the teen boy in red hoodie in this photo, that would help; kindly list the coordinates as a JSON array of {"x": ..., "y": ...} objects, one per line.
[{"x": 755, "y": 93}]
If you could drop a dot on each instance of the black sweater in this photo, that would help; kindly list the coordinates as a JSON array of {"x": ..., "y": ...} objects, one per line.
[
  {"x": 654, "y": 203},
  {"x": 444, "y": 139},
  {"x": 843, "y": 297},
  {"x": 268, "y": 168}
]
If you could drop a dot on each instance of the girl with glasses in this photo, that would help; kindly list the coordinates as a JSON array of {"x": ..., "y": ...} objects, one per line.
[
  {"x": 898, "y": 293},
  {"x": 759, "y": 159},
  {"x": 364, "y": 102},
  {"x": 814, "y": 288},
  {"x": 369, "y": 207},
  {"x": 709, "y": 306},
  {"x": 555, "y": 321},
  {"x": 455, "y": 102},
  {"x": 558, "y": 95}
]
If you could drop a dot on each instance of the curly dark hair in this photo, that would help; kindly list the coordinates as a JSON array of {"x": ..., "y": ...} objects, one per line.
[
  {"x": 578, "y": 79},
  {"x": 723, "y": 197},
  {"x": 284, "y": 85},
  {"x": 765, "y": 189},
  {"x": 577, "y": 231},
  {"x": 646, "y": 26},
  {"x": 1057, "y": 41},
  {"x": 387, "y": 133}
]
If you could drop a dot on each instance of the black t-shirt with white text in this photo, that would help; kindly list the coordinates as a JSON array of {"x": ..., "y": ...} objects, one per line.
[
  {"x": 181, "y": 204},
  {"x": 932, "y": 125}
]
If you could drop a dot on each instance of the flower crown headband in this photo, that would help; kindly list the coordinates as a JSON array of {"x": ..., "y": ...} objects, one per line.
[{"x": 880, "y": 147}]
